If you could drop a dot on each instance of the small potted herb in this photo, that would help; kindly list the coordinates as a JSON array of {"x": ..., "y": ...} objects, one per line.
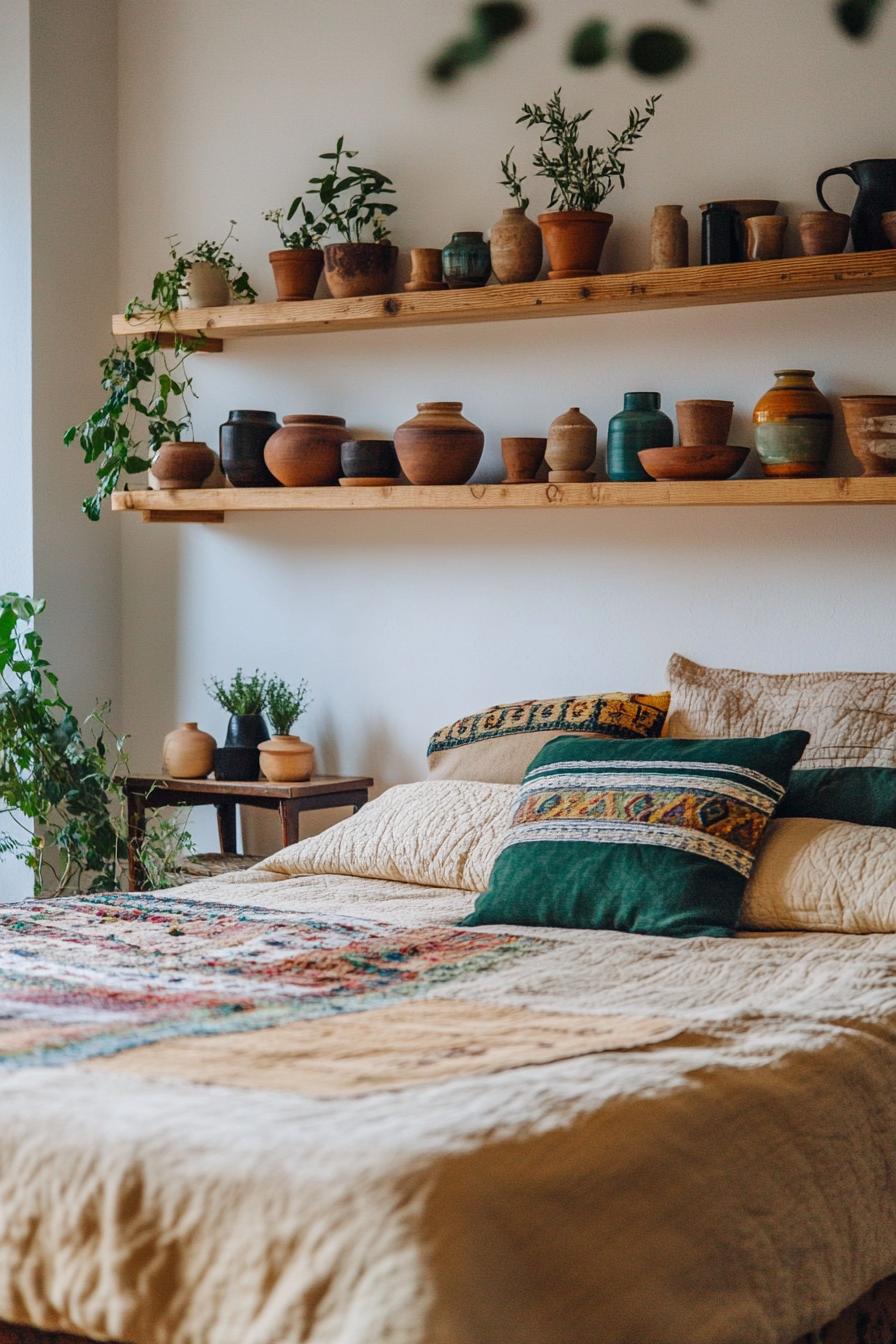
[
  {"x": 284, "y": 757},
  {"x": 244, "y": 698},
  {"x": 298, "y": 263},
  {"x": 353, "y": 208},
  {"x": 582, "y": 176},
  {"x": 516, "y": 239}
]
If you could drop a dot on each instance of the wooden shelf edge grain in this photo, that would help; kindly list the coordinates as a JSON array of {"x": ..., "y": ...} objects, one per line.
[
  {"x": 214, "y": 505},
  {"x": 692, "y": 286}
]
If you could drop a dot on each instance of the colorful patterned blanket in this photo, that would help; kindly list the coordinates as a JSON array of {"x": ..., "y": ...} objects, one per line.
[{"x": 87, "y": 976}]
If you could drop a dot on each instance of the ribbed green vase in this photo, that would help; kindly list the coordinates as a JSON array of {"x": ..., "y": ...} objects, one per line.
[{"x": 640, "y": 424}]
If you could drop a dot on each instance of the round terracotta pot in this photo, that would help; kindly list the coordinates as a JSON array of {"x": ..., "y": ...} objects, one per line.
[
  {"x": 871, "y": 431},
  {"x": 439, "y": 447},
  {"x": 353, "y": 269},
  {"x": 571, "y": 446},
  {"x": 794, "y": 426},
  {"x": 207, "y": 286},
  {"x": 574, "y": 240},
  {"x": 522, "y": 459},
  {"x": 702, "y": 422},
  {"x": 286, "y": 759},
  {"x": 188, "y": 753},
  {"x": 822, "y": 232},
  {"x": 516, "y": 247},
  {"x": 296, "y": 271},
  {"x": 182, "y": 466},
  {"x": 307, "y": 450},
  {"x": 426, "y": 270}
]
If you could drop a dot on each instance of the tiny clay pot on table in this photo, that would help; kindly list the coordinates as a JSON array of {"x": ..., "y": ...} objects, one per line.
[
  {"x": 188, "y": 752},
  {"x": 516, "y": 246},
  {"x": 640, "y": 424},
  {"x": 426, "y": 270},
  {"x": 668, "y": 238},
  {"x": 522, "y": 459},
  {"x": 307, "y": 450},
  {"x": 369, "y": 458},
  {"x": 439, "y": 446},
  {"x": 571, "y": 447},
  {"x": 241, "y": 442},
  {"x": 703, "y": 421},
  {"x": 296, "y": 271},
  {"x": 355, "y": 269},
  {"x": 182, "y": 466},
  {"x": 822, "y": 232},
  {"x": 871, "y": 431},
  {"x": 764, "y": 237},
  {"x": 286, "y": 759},
  {"x": 794, "y": 426},
  {"x": 575, "y": 241},
  {"x": 466, "y": 261}
]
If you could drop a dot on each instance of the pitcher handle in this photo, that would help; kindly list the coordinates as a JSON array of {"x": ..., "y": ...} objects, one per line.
[{"x": 832, "y": 172}]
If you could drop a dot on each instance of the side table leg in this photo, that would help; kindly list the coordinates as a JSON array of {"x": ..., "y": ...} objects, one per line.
[
  {"x": 136, "y": 836},
  {"x": 226, "y": 827},
  {"x": 289, "y": 822}
]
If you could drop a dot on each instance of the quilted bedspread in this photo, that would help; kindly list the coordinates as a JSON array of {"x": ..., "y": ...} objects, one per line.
[{"x": 722, "y": 1170}]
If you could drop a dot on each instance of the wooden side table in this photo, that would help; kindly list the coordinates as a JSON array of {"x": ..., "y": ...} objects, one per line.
[{"x": 147, "y": 792}]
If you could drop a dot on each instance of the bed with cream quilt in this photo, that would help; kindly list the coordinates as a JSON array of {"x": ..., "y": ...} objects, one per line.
[{"x": 395, "y": 1131}]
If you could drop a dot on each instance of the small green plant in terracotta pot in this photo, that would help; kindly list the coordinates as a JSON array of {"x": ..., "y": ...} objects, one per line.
[
  {"x": 298, "y": 263},
  {"x": 354, "y": 208},
  {"x": 284, "y": 757},
  {"x": 244, "y": 698}
]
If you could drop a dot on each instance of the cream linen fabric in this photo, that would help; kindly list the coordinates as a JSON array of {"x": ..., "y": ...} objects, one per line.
[
  {"x": 828, "y": 876},
  {"x": 851, "y": 715}
]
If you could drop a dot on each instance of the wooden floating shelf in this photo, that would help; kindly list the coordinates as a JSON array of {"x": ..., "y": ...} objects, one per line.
[
  {"x": 689, "y": 287},
  {"x": 208, "y": 506}
]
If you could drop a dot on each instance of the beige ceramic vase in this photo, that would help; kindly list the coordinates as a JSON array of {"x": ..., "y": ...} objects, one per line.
[
  {"x": 188, "y": 752},
  {"x": 516, "y": 247},
  {"x": 207, "y": 286},
  {"x": 572, "y": 447},
  {"x": 286, "y": 759}
]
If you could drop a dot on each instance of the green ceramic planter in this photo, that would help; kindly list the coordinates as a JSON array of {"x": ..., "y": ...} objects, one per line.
[
  {"x": 466, "y": 261},
  {"x": 640, "y": 424}
]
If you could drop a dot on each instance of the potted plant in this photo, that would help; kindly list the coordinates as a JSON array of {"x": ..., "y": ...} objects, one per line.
[
  {"x": 582, "y": 176},
  {"x": 244, "y": 698},
  {"x": 298, "y": 263},
  {"x": 516, "y": 239},
  {"x": 353, "y": 207},
  {"x": 285, "y": 758},
  {"x": 205, "y": 276}
]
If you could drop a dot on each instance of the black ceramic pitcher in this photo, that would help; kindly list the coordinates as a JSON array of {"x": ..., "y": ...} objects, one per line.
[{"x": 876, "y": 181}]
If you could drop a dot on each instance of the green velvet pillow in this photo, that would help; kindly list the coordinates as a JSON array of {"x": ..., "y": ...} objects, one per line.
[
  {"x": 864, "y": 794},
  {"x": 648, "y": 837}
]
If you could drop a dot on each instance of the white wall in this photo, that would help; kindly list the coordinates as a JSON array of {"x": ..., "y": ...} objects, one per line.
[{"x": 402, "y": 622}]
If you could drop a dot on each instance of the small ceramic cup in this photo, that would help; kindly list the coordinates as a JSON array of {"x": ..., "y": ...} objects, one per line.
[
  {"x": 823, "y": 232},
  {"x": 764, "y": 237},
  {"x": 426, "y": 270},
  {"x": 703, "y": 422}
]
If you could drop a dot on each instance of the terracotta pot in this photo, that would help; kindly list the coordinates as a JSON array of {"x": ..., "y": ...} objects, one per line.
[
  {"x": 693, "y": 464},
  {"x": 668, "y": 238},
  {"x": 207, "y": 286},
  {"x": 574, "y": 240},
  {"x": 426, "y": 270},
  {"x": 871, "y": 431},
  {"x": 888, "y": 224},
  {"x": 296, "y": 271},
  {"x": 285, "y": 760},
  {"x": 307, "y": 450},
  {"x": 188, "y": 753},
  {"x": 794, "y": 425},
  {"x": 516, "y": 247},
  {"x": 764, "y": 237},
  {"x": 522, "y": 459},
  {"x": 182, "y": 466},
  {"x": 703, "y": 421},
  {"x": 822, "y": 232},
  {"x": 438, "y": 446},
  {"x": 354, "y": 269},
  {"x": 571, "y": 447},
  {"x": 369, "y": 458}
]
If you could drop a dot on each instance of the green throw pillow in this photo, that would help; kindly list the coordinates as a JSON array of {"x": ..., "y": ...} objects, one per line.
[
  {"x": 864, "y": 794},
  {"x": 648, "y": 837}
]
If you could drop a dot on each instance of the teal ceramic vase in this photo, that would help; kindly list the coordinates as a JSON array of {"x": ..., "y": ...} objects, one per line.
[
  {"x": 640, "y": 424},
  {"x": 466, "y": 261}
]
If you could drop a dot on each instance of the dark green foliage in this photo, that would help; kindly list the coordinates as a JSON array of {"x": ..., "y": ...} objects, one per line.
[
  {"x": 657, "y": 51},
  {"x": 857, "y": 17},
  {"x": 350, "y": 197},
  {"x": 499, "y": 18},
  {"x": 590, "y": 44},
  {"x": 490, "y": 24},
  {"x": 284, "y": 704},
  {"x": 510, "y": 178},
  {"x": 242, "y": 694}
]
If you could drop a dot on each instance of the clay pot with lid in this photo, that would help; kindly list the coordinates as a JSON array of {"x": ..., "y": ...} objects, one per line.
[
  {"x": 188, "y": 752},
  {"x": 307, "y": 450},
  {"x": 182, "y": 466},
  {"x": 355, "y": 269},
  {"x": 871, "y": 431},
  {"x": 286, "y": 759},
  {"x": 571, "y": 447},
  {"x": 296, "y": 271},
  {"x": 574, "y": 240},
  {"x": 516, "y": 247},
  {"x": 439, "y": 446}
]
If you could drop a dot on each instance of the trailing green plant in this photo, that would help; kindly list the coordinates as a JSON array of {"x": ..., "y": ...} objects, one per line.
[
  {"x": 62, "y": 798},
  {"x": 351, "y": 197},
  {"x": 170, "y": 286},
  {"x": 309, "y": 231},
  {"x": 242, "y": 694},
  {"x": 511, "y": 180},
  {"x": 284, "y": 704},
  {"x": 581, "y": 176}
]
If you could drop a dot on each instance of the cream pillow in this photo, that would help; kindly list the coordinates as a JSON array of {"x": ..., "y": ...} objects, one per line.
[
  {"x": 441, "y": 833},
  {"x": 851, "y": 715},
  {"x": 823, "y": 876}
]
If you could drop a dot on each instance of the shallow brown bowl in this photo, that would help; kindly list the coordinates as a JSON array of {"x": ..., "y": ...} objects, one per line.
[
  {"x": 714, "y": 462},
  {"x": 747, "y": 209}
]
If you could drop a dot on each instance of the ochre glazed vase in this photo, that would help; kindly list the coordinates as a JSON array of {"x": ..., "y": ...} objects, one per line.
[
  {"x": 794, "y": 426},
  {"x": 439, "y": 446},
  {"x": 286, "y": 759},
  {"x": 296, "y": 271},
  {"x": 188, "y": 753},
  {"x": 575, "y": 241},
  {"x": 871, "y": 431},
  {"x": 307, "y": 450},
  {"x": 516, "y": 246}
]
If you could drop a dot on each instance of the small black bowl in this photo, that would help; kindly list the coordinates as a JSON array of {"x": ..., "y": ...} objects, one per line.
[{"x": 369, "y": 457}]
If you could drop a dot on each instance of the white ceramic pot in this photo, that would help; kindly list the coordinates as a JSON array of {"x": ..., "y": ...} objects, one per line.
[
  {"x": 286, "y": 760},
  {"x": 207, "y": 287}
]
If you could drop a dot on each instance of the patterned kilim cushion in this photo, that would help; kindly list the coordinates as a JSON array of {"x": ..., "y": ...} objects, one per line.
[
  {"x": 650, "y": 837},
  {"x": 496, "y": 746}
]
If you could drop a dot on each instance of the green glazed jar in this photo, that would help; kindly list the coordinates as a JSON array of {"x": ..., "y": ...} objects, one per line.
[
  {"x": 640, "y": 424},
  {"x": 466, "y": 261}
]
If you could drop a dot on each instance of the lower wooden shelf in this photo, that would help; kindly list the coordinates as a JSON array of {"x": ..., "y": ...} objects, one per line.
[{"x": 211, "y": 506}]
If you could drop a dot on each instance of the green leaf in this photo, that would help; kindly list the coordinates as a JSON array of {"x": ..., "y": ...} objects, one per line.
[
  {"x": 657, "y": 50},
  {"x": 590, "y": 44},
  {"x": 497, "y": 19}
]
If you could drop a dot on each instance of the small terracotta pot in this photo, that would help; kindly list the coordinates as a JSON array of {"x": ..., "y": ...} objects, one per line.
[
  {"x": 355, "y": 269},
  {"x": 286, "y": 759},
  {"x": 439, "y": 446},
  {"x": 296, "y": 271},
  {"x": 426, "y": 270},
  {"x": 522, "y": 459},
  {"x": 516, "y": 246},
  {"x": 822, "y": 232},
  {"x": 703, "y": 421},
  {"x": 307, "y": 450},
  {"x": 182, "y": 466},
  {"x": 574, "y": 240},
  {"x": 207, "y": 286},
  {"x": 871, "y": 431},
  {"x": 188, "y": 753},
  {"x": 571, "y": 446},
  {"x": 888, "y": 224},
  {"x": 764, "y": 237}
]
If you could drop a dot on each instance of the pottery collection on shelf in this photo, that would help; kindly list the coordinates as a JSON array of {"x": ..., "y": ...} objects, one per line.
[
  {"x": 241, "y": 442},
  {"x": 571, "y": 447},
  {"x": 794, "y": 426},
  {"x": 640, "y": 424},
  {"x": 516, "y": 247},
  {"x": 438, "y": 446},
  {"x": 466, "y": 261},
  {"x": 307, "y": 450},
  {"x": 188, "y": 752}
]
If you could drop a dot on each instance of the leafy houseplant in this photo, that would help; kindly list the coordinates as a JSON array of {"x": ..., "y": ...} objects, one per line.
[
  {"x": 61, "y": 792},
  {"x": 285, "y": 757},
  {"x": 244, "y": 698},
  {"x": 515, "y": 240},
  {"x": 352, "y": 205},
  {"x": 298, "y": 263},
  {"x": 581, "y": 177}
]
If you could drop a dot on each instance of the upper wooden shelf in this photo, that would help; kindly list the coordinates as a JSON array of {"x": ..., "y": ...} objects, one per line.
[{"x": 690, "y": 287}]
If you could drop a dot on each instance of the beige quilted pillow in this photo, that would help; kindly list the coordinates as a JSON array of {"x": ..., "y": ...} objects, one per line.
[
  {"x": 823, "y": 876},
  {"x": 851, "y": 715},
  {"x": 441, "y": 833}
]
